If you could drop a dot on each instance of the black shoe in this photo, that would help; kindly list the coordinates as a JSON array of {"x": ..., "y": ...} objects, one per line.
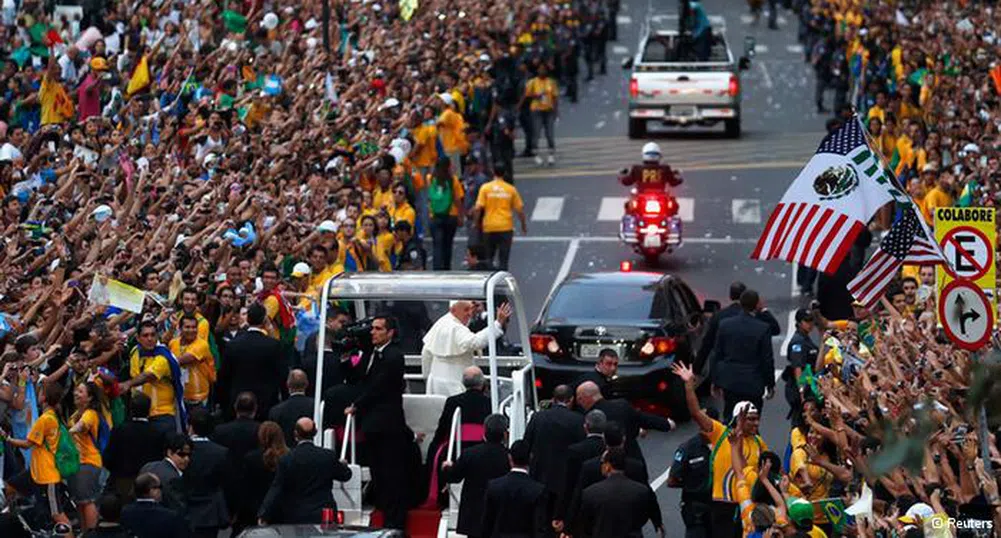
[
  {"x": 528, "y": 153},
  {"x": 773, "y": 26}
]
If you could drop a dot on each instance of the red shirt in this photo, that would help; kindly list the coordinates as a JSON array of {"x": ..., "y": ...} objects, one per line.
[{"x": 89, "y": 97}]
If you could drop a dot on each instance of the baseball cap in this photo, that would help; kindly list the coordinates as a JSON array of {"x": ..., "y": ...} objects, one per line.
[
  {"x": 301, "y": 269},
  {"x": 800, "y": 511},
  {"x": 327, "y": 226},
  {"x": 804, "y": 314},
  {"x": 917, "y": 512},
  {"x": 744, "y": 407},
  {"x": 447, "y": 98}
]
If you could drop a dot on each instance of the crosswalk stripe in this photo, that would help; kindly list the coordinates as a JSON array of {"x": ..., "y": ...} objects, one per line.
[
  {"x": 795, "y": 49},
  {"x": 760, "y": 49},
  {"x": 612, "y": 208},
  {"x": 746, "y": 211},
  {"x": 686, "y": 209},
  {"x": 624, "y": 19},
  {"x": 548, "y": 208},
  {"x": 620, "y": 50}
]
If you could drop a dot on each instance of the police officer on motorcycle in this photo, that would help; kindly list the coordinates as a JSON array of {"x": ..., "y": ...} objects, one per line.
[
  {"x": 690, "y": 471},
  {"x": 651, "y": 175}
]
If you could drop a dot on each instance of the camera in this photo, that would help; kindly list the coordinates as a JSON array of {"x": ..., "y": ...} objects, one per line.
[{"x": 356, "y": 335}]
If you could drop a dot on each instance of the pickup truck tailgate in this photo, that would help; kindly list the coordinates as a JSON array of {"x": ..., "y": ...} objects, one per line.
[{"x": 664, "y": 88}]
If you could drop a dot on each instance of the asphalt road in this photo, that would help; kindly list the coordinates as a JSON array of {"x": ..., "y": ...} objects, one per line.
[{"x": 730, "y": 187}]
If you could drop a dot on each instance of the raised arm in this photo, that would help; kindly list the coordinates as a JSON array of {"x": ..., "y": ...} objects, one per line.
[{"x": 688, "y": 377}]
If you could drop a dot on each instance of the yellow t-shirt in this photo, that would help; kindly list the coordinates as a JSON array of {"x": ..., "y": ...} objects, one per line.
[
  {"x": 819, "y": 477},
  {"x": 723, "y": 482},
  {"x": 877, "y": 112},
  {"x": 161, "y": 390},
  {"x": 197, "y": 384},
  {"x": 543, "y": 92},
  {"x": 452, "y": 128},
  {"x": 84, "y": 440},
  {"x": 44, "y": 436},
  {"x": 935, "y": 198},
  {"x": 404, "y": 212},
  {"x": 498, "y": 199},
  {"x": 425, "y": 153},
  {"x": 57, "y": 106},
  {"x": 271, "y": 308},
  {"x": 203, "y": 325},
  {"x": 743, "y": 498},
  {"x": 382, "y": 198}
]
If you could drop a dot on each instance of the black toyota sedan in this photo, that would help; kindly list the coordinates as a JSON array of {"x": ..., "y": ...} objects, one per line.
[{"x": 649, "y": 319}]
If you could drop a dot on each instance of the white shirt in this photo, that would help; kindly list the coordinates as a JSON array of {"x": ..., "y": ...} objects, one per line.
[{"x": 449, "y": 347}]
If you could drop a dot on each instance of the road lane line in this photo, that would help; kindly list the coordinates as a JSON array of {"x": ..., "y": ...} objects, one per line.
[
  {"x": 567, "y": 264},
  {"x": 746, "y": 211},
  {"x": 611, "y": 209},
  {"x": 548, "y": 208},
  {"x": 791, "y": 322},
  {"x": 686, "y": 209},
  {"x": 623, "y": 19},
  {"x": 615, "y": 239},
  {"x": 620, "y": 50},
  {"x": 660, "y": 480},
  {"x": 768, "y": 77}
]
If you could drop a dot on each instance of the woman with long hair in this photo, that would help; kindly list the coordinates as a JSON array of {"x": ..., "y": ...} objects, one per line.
[
  {"x": 259, "y": 467},
  {"x": 90, "y": 429}
]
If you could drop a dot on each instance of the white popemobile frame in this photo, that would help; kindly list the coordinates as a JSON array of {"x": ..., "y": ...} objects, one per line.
[{"x": 422, "y": 410}]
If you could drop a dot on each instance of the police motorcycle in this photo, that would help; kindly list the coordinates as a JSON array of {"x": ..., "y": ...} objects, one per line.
[{"x": 650, "y": 223}]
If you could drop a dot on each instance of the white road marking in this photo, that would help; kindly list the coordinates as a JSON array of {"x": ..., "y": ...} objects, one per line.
[
  {"x": 746, "y": 19},
  {"x": 746, "y": 211},
  {"x": 778, "y": 374},
  {"x": 767, "y": 76},
  {"x": 620, "y": 50},
  {"x": 686, "y": 209},
  {"x": 567, "y": 264},
  {"x": 623, "y": 19},
  {"x": 782, "y": 20},
  {"x": 795, "y": 49},
  {"x": 791, "y": 322},
  {"x": 548, "y": 208},
  {"x": 612, "y": 208},
  {"x": 760, "y": 49},
  {"x": 660, "y": 480},
  {"x": 615, "y": 239}
]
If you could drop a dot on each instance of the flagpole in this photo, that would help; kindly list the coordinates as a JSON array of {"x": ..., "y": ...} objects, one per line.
[{"x": 896, "y": 184}]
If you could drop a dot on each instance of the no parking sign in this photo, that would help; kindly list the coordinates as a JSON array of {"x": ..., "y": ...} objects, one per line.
[{"x": 968, "y": 237}]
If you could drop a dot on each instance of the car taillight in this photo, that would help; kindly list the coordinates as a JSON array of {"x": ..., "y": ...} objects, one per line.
[
  {"x": 544, "y": 343},
  {"x": 538, "y": 383},
  {"x": 634, "y": 88},
  {"x": 340, "y": 517},
  {"x": 734, "y": 87},
  {"x": 658, "y": 345},
  {"x": 626, "y": 266},
  {"x": 670, "y": 206}
]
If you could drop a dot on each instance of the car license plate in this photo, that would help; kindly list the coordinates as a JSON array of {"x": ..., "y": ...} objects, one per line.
[
  {"x": 651, "y": 241},
  {"x": 591, "y": 351},
  {"x": 685, "y": 111}
]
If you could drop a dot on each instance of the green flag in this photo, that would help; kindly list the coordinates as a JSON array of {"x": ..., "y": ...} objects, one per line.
[
  {"x": 234, "y": 22},
  {"x": 966, "y": 197}
]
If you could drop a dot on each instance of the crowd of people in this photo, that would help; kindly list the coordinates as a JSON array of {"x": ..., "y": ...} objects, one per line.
[{"x": 179, "y": 179}]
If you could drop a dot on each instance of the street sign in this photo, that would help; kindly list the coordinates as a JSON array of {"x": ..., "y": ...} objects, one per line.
[
  {"x": 967, "y": 315},
  {"x": 968, "y": 238}
]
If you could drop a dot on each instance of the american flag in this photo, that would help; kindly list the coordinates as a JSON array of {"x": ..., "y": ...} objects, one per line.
[
  {"x": 906, "y": 243},
  {"x": 808, "y": 231}
]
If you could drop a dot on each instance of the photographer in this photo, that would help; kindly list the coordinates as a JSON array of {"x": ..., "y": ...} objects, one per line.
[
  {"x": 336, "y": 343},
  {"x": 352, "y": 344}
]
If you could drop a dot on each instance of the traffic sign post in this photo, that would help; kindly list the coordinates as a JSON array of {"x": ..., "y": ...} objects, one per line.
[
  {"x": 966, "y": 315},
  {"x": 968, "y": 237}
]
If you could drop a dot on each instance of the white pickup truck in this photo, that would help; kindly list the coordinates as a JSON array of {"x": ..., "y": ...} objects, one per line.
[{"x": 674, "y": 87}]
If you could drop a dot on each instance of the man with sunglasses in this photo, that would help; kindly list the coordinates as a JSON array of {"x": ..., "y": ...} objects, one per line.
[
  {"x": 169, "y": 470},
  {"x": 147, "y": 517}
]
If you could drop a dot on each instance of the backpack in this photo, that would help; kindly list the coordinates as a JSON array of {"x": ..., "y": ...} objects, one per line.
[
  {"x": 440, "y": 198},
  {"x": 66, "y": 452}
]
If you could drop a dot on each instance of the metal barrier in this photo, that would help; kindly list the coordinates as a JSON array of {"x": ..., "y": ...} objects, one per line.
[{"x": 347, "y": 495}]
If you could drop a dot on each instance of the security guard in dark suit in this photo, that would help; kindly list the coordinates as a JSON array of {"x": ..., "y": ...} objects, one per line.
[
  {"x": 801, "y": 352},
  {"x": 690, "y": 471}
]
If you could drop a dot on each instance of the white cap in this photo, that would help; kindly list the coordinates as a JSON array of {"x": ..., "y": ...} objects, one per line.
[
  {"x": 270, "y": 21},
  {"x": 744, "y": 407},
  {"x": 301, "y": 269},
  {"x": 327, "y": 226},
  {"x": 101, "y": 213},
  {"x": 447, "y": 97},
  {"x": 209, "y": 160},
  {"x": 484, "y": 57},
  {"x": 971, "y": 148}
]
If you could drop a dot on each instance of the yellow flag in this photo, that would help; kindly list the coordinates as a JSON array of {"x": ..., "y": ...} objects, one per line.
[
  {"x": 407, "y": 9},
  {"x": 57, "y": 106},
  {"x": 140, "y": 78}
]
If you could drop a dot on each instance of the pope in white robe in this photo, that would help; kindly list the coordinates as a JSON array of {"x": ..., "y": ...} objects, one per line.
[{"x": 449, "y": 346}]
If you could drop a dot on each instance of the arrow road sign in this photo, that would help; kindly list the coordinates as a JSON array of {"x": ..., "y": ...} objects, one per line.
[{"x": 966, "y": 315}]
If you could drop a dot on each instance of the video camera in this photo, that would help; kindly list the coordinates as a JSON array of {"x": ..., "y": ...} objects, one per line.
[{"x": 355, "y": 335}]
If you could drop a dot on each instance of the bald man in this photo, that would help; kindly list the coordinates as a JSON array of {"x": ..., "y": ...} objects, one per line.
[
  {"x": 475, "y": 406},
  {"x": 298, "y": 405},
  {"x": 622, "y": 412},
  {"x": 449, "y": 346},
  {"x": 304, "y": 481}
]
